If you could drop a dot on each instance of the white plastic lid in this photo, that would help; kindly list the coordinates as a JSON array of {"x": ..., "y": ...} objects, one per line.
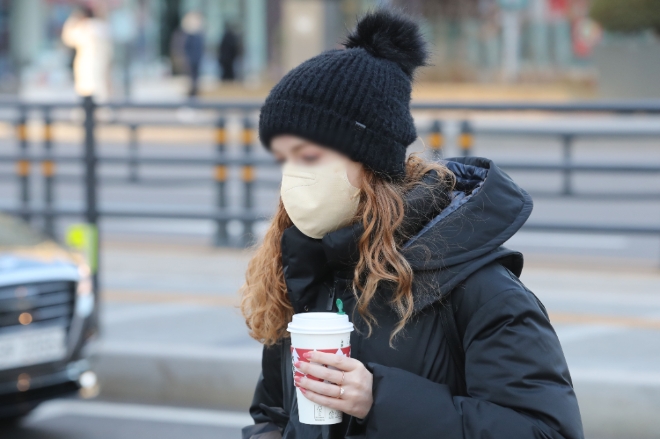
[{"x": 320, "y": 323}]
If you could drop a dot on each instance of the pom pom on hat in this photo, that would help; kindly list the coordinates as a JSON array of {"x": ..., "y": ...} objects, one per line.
[{"x": 387, "y": 34}]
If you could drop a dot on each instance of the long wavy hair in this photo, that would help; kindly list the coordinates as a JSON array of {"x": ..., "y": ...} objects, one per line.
[{"x": 264, "y": 300}]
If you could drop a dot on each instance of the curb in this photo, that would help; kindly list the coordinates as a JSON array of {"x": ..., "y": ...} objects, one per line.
[
  {"x": 615, "y": 407},
  {"x": 612, "y": 405},
  {"x": 209, "y": 377}
]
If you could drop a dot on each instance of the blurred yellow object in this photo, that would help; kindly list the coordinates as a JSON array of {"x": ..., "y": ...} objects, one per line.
[
  {"x": 221, "y": 173},
  {"x": 48, "y": 168},
  {"x": 22, "y": 167},
  {"x": 25, "y": 318},
  {"x": 436, "y": 140},
  {"x": 84, "y": 238},
  {"x": 248, "y": 173},
  {"x": 466, "y": 141}
]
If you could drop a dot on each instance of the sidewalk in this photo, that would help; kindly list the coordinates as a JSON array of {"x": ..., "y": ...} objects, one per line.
[
  {"x": 175, "y": 88},
  {"x": 172, "y": 333}
]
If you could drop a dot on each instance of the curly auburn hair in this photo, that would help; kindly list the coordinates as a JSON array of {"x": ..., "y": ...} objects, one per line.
[{"x": 265, "y": 304}]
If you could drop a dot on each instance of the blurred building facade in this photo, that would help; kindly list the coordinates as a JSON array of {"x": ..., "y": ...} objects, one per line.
[{"x": 473, "y": 40}]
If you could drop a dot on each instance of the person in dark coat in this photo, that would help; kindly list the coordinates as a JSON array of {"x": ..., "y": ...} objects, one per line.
[
  {"x": 228, "y": 50},
  {"x": 413, "y": 249},
  {"x": 193, "y": 48}
]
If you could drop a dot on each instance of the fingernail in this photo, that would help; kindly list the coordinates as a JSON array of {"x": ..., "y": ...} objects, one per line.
[
  {"x": 307, "y": 355},
  {"x": 302, "y": 389},
  {"x": 297, "y": 378},
  {"x": 297, "y": 364}
]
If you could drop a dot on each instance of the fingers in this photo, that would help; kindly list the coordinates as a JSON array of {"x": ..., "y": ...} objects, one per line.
[
  {"x": 318, "y": 371},
  {"x": 338, "y": 361},
  {"x": 327, "y": 401},
  {"x": 357, "y": 382},
  {"x": 319, "y": 387}
]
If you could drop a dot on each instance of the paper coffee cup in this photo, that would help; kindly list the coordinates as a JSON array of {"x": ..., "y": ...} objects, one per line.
[{"x": 324, "y": 332}]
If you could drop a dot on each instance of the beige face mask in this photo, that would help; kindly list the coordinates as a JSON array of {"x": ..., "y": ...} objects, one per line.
[{"x": 319, "y": 199}]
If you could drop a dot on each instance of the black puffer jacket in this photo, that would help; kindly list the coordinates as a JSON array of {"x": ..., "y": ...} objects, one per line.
[{"x": 518, "y": 384}]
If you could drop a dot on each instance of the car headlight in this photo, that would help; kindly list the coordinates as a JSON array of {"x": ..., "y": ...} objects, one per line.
[{"x": 84, "y": 292}]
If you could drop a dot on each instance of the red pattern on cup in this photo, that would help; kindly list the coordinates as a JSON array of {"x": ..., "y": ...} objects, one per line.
[{"x": 297, "y": 354}]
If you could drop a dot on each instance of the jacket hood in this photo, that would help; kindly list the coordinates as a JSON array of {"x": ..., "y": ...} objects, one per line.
[
  {"x": 487, "y": 208},
  {"x": 451, "y": 235}
]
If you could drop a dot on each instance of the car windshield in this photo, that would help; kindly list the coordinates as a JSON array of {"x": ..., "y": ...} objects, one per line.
[{"x": 14, "y": 232}]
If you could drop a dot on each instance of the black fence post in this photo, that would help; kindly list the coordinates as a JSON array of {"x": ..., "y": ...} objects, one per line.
[
  {"x": 133, "y": 153},
  {"x": 436, "y": 139},
  {"x": 248, "y": 180},
  {"x": 220, "y": 182},
  {"x": 91, "y": 211},
  {"x": 466, "y": 138},
  {"x": 23, "y": 164},
  {"x": 567, "y": 146},
  {"x": 48, "y": 171}
]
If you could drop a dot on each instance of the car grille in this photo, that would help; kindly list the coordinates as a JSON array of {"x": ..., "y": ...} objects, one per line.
[{"x": 42, "y": 303}]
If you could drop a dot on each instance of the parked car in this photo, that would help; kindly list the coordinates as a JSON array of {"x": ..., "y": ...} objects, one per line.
[{"x": 48, "y": 313}]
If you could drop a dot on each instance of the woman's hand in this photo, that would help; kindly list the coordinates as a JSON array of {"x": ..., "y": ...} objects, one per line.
[{"x": 357, "y": 383}]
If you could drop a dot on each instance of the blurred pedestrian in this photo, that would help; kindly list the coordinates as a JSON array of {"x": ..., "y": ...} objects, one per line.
[
  {"x": 228, "y": 50},
  {"x": 89, "y": 36},
  {"x": 448, "y": 342},
  {"x": 177, "y": 52},
  {"x": 193, "y": 47}
]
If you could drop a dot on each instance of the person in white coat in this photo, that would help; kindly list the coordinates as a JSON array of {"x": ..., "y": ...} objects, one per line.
[{"x": 90, "y": 37}]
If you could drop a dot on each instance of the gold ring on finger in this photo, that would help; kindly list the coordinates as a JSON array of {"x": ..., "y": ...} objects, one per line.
[{"x": 341, "y": 392}]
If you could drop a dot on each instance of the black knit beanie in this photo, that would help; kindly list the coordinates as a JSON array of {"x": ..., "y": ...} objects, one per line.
[{"x": 355, "y": 100}]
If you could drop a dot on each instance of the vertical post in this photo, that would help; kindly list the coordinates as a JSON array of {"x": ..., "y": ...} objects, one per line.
[
  {"x": 248, "y": 180},
  {"x": 220, "y": 182},
  {"x": 91, "y": 212},
  {"x": 511, "y": 41},
  {"x": 133, "y": 153},
  {"x": 23, "y": 164},
  {"x": 48, "y": 171},
  {"x": 466, "y": 138},
  {"x": 436, "y": 139},
  {"x": 567, "y": 145}
]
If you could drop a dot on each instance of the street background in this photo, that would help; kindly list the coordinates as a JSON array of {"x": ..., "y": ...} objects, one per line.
[{"x": 174, "y": 358}]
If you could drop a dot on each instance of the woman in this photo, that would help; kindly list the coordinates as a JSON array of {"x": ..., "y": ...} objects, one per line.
[
  {"x": 90, "y": 37},
  {"x": 448, "y": 342}
]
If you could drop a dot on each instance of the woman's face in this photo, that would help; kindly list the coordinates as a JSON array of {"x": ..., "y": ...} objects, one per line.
[{"x": 304, "y": 152}]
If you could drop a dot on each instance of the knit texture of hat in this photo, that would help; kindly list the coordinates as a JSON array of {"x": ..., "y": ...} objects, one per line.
[{"x": 355, "y": 100}]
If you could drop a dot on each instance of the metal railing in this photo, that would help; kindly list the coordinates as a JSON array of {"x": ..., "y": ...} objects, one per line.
[{"x": 247, "y": 162}]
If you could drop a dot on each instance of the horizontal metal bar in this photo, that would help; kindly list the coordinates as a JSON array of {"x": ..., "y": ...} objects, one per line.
[
  {"x": 10, "y": 158},
  {"x": 127, "y": 213},
  {"x": 149, "y": 160},
  {"x": 622, "y": 106},
  {"x": 522, "y": 130},
  {"x": 245, "y": 105},
  {"x": 266, "y": 161},
  {"x": 650, "y": 169},
  {"x": 217, "y": 215},
  {"x": 628, "y": 106},
  {"x": 568, "y": 131},
  {"x": 250, "y": 216},
  {"x": 157, "y": 160},
  {"x": 624, "y": 230}
]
